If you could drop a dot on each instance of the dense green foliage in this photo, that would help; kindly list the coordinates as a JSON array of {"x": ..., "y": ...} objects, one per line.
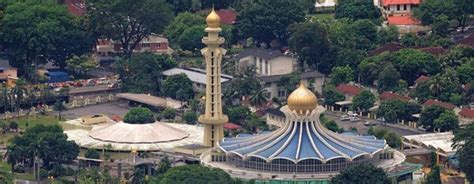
[
  {"x": 393, "y": 139},
  {"x": 142, "y": 72},
  {"x": 434, "y": 177},
  {"x": 363, "y": 101},
  {"x": 341, "y": 74},
  {"x": 179, "y": 87},
  {"x": 362, "y": 173},
  {"x": 435, "y": 117},
  {"x": 310, "y": 41},
  {"x": 35, "y": 33},
  {"x": 464, "y": 142},
  {"x": 357, "y": 9},
  {"x": 128, "y": 21},
  {"x": 267, "y": 20},
  {"x": 331, "y": 96},
  {"x": 168, "y": 113},
  {"x": 237, "y": 114},
  {"x": 393, "y": 110},
  {"x": 194, "y": 174},
  {"x": 139, "y": 115},
  {"x": 446, "y": 121},
  {"x": 48, "y": 143},
  {"x": 92, "y": 153},
  {"x": 190, "y": 117}
]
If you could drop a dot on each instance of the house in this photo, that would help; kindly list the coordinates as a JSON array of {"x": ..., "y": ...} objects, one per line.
[
  {"x": 399, "y": 13},
  {"x": 388, "y": 47},
  {"x": 267, "y": 62},
  {"x": 466, "y": 116},
  {"x": 313, "y": 79},
  {"x": 274, "y": 117},
  {"x": 349, "y": 90},
  {"x": 390, "y": 96},
  {"x": 228, "y": 16},
  {"x": 153, "y": 43},
  {"x": 231, "y": 128},
  {"x": 468, "y": 41},
  {"x": 197, "y": 76},
  {"x": 76, "y": 7},
  {"x": 448, "y": 106},
  {"x": 8, "y": 74}
]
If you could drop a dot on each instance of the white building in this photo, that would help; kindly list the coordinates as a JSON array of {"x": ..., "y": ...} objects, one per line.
[
  {"x": 266, "y": 61},
  {"x": 197, "y": 76},
  {"x": 314, "y": 80}
]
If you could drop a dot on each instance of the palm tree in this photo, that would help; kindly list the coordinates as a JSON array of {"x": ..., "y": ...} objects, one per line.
[
  {"x": 259, "y": 97},
  {"x": 19, "y": 91},
  {"x": 436, "y": 85}
]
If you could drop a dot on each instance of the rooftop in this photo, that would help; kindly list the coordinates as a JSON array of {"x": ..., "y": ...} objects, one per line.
[
  {"x": 305, "y": 75},
  {"x": 396, "y": 2},
  {"x": 231, "y": 126},
  {"x": 388, "y": 47},
  {"x": 402, "y": 20},
  {"x": 267, "y": 54},
  {"x": 227, "y": 16},
  {"x": 151, "y": 100},
  {"x": 275, "y": 112},
  {"x": 467, "y": 113},
  {"x": 439, "y": 141},
  {"x": 390, "y": 95},
  {"x": 421, "y": 79},
  {"x": 445, "y": 105},
  {"x": 469, "y": 41},
  {"x": 194, "y": 74},
  {"x": 348, "y": 89}
]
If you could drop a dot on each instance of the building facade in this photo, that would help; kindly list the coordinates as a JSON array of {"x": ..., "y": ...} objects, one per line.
[
  {"x": 197, "y": 76},
  {"x": 153, "y": 43},
  {"x": 267, "y": 62}
]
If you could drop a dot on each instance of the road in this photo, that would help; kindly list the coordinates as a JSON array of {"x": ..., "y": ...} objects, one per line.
[{"x": 361, "y": 128}]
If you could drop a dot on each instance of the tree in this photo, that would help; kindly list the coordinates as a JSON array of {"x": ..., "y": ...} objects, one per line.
[
  {"x": 142, "y": 72},
  {"x": 13, "y": 125},
  {"x": 357, "y": 9},
  {"x": 363, "y": 101},
  {"x": 268, "y": 20},
  {"x": 441, "y": 25},
  {"x": 168, "y": 113},
  {"x": 35, "y": 33},
  {"x": 430, "y": 9},
  {"x": 361, "y": 173},
  {"x": 128, "y": 21},
  {"x": 92, "y": 153},
  {"x": 429, "y": 115},
  {"x": 48, "y": 143},
  {"x": 464, "y": 143},
  {"x": 388, "y": 78},
  {"x": 190, "y": 39},
  {"x": 341, "y": 74},
  {"x": 393, "y": 140},
  {"x": 289, "y": 82},
  {"x": 387, "y": 35},
  {"x": 139, "y": 115},
  {"x": 179, "y": 87},
  {"x": 434, "y": 177},
  {"x": 60, "y": 107},
  {"x": 194, "y": 174},
  {"x": 81, "y": 64},
  {"x": 237, "y": 114},
  {"x": 259, "y": 97},
  {"x": 366, "y": 32},
  {"x": 190, "y": 117},
  {"x": 165, "y": 165},
  {"x": 413, "y": 63},
  {"x": 181, "y": 23},
  {"x": 254, "y": 123},
  {"x": 446, "y": 121},
  {"x": 331, "y": 96},
  {"x": 393, "y": 110},
  {"x": 180, "y": 5},
  {"x": 463, "y": 9},
  {"x": 310, "y": 42}
]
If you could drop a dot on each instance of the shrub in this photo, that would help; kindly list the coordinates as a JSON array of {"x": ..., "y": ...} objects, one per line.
[
  {"x": 168, "y": 113},
  {"x": 92, "y": 153},
  {"x": 139, "y": 115},
  {"x": 190, "y": 117}
]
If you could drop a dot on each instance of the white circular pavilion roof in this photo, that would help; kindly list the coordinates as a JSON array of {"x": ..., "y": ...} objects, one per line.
[{"x": 137, "y": 133}]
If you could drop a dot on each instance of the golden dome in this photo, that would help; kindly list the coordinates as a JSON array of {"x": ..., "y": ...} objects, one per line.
[
  {"x": 213, "y": 20},
  {"x": 302, "y": 100}
]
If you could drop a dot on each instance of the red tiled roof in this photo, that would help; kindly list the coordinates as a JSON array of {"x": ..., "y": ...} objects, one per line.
[
  {"x": 421, "y": 79},
  {"x": 395, "y": 2},
  {"x": 402, "y": 20},
  {"x": 231, "y": 126},
  {"x": 389, "y": 96},
  {"x": 469, "y": 41},
  {"x": 467, "y": 113},
  {"x": 227, "y": 16},
  {"x": 348, "y": 89},
  {"x": 445, "y": 105},
  {"x": 77, "y": 9},
  {"x": 388, "y": 47},
  {"x": 434, "y": 50}
]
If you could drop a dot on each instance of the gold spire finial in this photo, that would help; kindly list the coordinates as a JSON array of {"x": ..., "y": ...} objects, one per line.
[
  {"x": 213, "y": 20},
  {"x": 302, "y": 100}
]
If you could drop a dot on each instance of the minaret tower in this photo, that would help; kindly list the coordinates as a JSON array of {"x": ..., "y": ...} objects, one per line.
[{"x": 213, "y": 119}]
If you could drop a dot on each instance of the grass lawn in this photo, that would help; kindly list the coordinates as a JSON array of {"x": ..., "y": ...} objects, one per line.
[
  {"x": 322, "y": 16},
  {"x": 32, "y": 121}
]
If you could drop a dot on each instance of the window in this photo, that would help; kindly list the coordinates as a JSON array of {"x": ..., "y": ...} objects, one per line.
[
  {"x": 398, "y": 7},
  {"x": 404, "y": 7},
  {"x": 266, "y": 66},
  {"x": 145, "y": 45},
  {"x": 281, "y": 93}
]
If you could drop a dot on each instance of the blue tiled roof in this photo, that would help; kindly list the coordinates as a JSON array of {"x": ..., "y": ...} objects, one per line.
[{"x": 303, "y": 140}]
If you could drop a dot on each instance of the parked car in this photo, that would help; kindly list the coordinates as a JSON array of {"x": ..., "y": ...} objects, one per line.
[
  {"x": 369, "y": 123},
  {"x": 354, "y": 119},
  {"x": 352, "y": 114},
  {"x": 381, "y": 120},
  {"x": 344, "y": 118}
]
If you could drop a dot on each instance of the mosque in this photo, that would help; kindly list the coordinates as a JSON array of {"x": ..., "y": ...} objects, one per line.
[{"x": 303, "y": 149}]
